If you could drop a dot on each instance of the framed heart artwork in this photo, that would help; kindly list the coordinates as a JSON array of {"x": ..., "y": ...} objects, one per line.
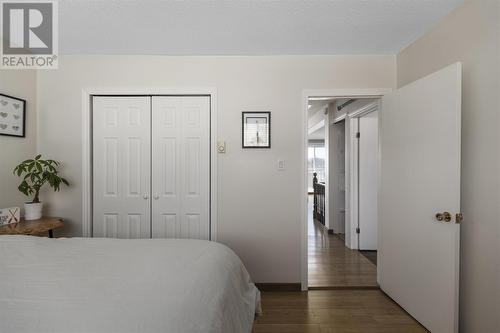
[{"x": 12, "y": 116}]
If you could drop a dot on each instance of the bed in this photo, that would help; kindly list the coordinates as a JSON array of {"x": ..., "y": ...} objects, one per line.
[{"x": 115, "y": 285}]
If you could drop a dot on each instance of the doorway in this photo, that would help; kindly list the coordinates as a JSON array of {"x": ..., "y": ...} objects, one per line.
[
  {"x": 418, "y": 192},
  {"x": 334, "y": 259}
]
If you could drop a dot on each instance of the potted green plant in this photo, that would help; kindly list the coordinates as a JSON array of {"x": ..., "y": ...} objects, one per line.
[{"x": 35, "y": 173}]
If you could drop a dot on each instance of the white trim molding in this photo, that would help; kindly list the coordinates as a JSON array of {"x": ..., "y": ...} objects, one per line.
[
  {"x": 339, "y": 118},
  {"x": 321, "y": 93},
  {"x": 374, "y": 106},
  {"x": 317, "y": 126},
  {"x": 87, "y": 94}
]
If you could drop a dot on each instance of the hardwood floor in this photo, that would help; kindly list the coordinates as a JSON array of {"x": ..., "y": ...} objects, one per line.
[
  {"x": 370, "y": 255},
  {"x": 331, "y": 264},
  {"x": 329, "y": 311}
]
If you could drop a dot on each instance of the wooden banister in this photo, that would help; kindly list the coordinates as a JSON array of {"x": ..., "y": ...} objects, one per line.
[{"x": 319, "y": 200}]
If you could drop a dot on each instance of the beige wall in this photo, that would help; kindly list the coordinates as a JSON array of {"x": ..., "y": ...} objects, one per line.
[
  {"x": 259, "y": 207},
  {"x": 20, "y": 84},
  {"x": 470, "y": 35}
]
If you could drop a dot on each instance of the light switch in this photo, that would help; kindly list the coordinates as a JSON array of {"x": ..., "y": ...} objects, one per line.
[
  {"x": 221, "y": 147},
  {"x": 281, "y": 165}
]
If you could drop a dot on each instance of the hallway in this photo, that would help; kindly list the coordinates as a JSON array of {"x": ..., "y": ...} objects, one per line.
[{"x": 331, "y": 264}]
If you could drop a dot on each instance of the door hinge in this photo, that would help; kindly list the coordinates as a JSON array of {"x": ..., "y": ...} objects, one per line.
[
  {"x": 358, "y": 135},
  {"x": 357, "y": 230}
]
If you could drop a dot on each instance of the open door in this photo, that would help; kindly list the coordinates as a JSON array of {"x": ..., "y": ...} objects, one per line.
[
  {"x": 419, "y": 198},
  {"x": 367, "y": 181}
]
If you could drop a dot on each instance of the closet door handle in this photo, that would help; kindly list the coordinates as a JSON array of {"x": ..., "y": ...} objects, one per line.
[
  {"x": 156, "y": 196},
  {"x": 145, "y": 196}
]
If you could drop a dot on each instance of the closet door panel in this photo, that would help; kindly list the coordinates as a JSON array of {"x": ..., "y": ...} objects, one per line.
[
  {"x": 121, "y": 167},
  {"x": 181, "y": 167}
]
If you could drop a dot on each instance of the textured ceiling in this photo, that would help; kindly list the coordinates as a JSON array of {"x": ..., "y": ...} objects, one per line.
[{"x": 236, "y": 27}]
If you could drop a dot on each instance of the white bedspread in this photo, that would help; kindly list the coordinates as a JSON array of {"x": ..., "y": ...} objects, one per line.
[{"x": 111, "y": 285}]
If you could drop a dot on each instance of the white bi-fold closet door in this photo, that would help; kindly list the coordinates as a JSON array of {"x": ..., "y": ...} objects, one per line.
[
  {"x": 121, "y": 164},
  {"x": 181, "y": 167},
  {"x": 151, "y": 167}
]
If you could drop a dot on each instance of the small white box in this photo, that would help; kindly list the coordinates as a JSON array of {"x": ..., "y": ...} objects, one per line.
[{"x": 10, "y": 215}]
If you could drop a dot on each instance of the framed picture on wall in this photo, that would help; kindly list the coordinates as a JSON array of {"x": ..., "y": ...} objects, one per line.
[
  {"x": 256, "y": 129},
  {"x": 12, "y": 116}
]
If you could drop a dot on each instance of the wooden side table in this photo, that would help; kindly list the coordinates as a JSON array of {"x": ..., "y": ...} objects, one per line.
[{"x": 32, "y": 227}]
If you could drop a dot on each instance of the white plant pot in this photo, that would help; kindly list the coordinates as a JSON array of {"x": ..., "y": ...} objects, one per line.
[{"x": 33, "y": 211}]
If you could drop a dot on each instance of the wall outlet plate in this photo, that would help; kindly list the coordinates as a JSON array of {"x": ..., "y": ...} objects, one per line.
[{"x": 281, "y": 165}]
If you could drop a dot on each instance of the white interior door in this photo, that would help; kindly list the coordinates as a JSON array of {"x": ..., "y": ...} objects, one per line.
[
  {"x": 121, "y": 164},
  {"x": 336, "y": 168},
  {"x": 418, "y": 262},
  {"x": 181, "y": 167},
  {"x": 368, "y": 180}
]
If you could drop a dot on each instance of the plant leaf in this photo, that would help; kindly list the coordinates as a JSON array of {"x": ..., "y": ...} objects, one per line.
[{"x": 37, "y": 173}]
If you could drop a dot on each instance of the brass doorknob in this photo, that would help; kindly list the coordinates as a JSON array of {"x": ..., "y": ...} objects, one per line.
[{"x": 445, "y": 216}]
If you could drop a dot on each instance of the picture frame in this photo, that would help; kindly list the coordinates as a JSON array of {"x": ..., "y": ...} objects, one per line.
[
  {"x": 10, "y": 215},
  {"x": 12, "y": 116},
  {"x": 256, "y": 129}
]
